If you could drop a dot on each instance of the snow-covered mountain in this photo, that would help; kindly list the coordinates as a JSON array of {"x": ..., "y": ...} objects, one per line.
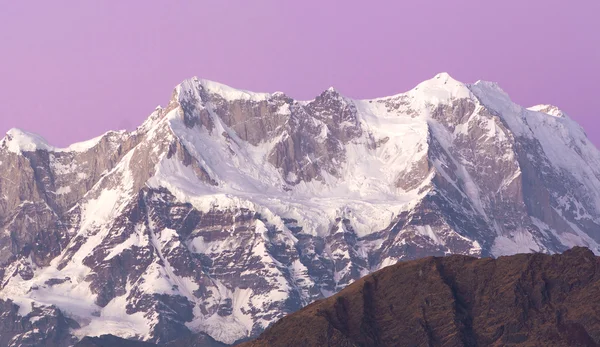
[{"x": 228, "y": 209}]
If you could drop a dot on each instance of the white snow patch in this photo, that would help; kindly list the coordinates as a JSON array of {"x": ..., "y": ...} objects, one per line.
[
  {"x": 226, "y": 92},
  {"x": 521, "y": 241},
  {"x": 63, "y": 190},
  {"x": 18, "y": 141}
]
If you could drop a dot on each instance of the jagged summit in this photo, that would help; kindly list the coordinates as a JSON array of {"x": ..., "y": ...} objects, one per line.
[
  {"x": 441, "y": 87},
  {"x": 442, "y": 81},
  {"x": 227, "y": 209}
]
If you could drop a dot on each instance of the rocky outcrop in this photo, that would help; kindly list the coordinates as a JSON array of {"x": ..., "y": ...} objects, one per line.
[
  {"x": 199, "y": 340},
  {"x": 41, "y": 326},
  {"x": 111, "y": 341},
  {"x": 520, "y": 300}
]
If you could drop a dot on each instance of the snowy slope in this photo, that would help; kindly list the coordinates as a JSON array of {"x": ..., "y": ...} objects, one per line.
[{"x": 227, "y": 209}]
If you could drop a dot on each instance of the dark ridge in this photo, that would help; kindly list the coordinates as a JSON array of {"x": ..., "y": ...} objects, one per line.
[{"x": 520, "y": 300}]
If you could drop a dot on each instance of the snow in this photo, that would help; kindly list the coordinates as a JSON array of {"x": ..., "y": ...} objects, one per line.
[
  {"x": 199, "y": 245},
  {"x": 368, "y": 180},
  {"x": 549, "y": 110},
  {"x": 426, "y": 230},
  {"x": 62, "y": 168},
  {"x": 18, "y": 141},
  {"x": 563, "y": 141},
  {"x": 494, "y": 98},
  {"x": 135, "y": 239},
  {"x": 114, "y": 320},
  {"x": 284, "y": 109},
  {"x": 82, "y": 146},
  {"x": 226, "y": 92},
  {"x": 76, "y": 300},
  {"x": 244, "y": 301},
  {"x": 575, "y": 238},
  {"x": 520, "y": 241},
  {"x": 246, "y": 179},
  {"x": 440, "y": 90},
  {"x": 397, "y": 133},
  {"x": 73, "y": 296},
  {"x": 231, "y": 328},
  {"x": 63, "y": 190},
  {"x": 99, "y": 210}
]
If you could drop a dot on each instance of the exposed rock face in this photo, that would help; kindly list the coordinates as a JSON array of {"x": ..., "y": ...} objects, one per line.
[
  {"x": 41, "y": 326},
  {"x": 111, "y": 341},
  {"x": 198, "y": 340},
  {"x": 520, "y": 300},
  {"x": 227, "y": 210}
]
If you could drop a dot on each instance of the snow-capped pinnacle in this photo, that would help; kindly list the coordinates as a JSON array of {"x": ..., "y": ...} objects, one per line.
[
  {"x": 549, "y": 110},
  {"x": 226, "y": 92},
  {"x": 440, "y": 89},
  {"x": 17, "y": 141},
  {"x": 331, "y": 91},
  {"x": 443, "y": 76}
]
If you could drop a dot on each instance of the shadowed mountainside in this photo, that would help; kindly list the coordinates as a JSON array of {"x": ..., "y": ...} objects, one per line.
[
  {"x": 524, "y": 300},
  {"x": 199, "y": 340}
]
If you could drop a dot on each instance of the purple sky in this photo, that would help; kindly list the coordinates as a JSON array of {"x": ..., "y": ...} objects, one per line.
[{"x": 70, "y": 70}]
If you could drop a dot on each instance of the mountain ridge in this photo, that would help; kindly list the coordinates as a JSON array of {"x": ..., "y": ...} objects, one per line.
[
  {"x": 227, "y": 209},
  {"x": 520, "y": 300},
  {"x": 241, "y": 94}
]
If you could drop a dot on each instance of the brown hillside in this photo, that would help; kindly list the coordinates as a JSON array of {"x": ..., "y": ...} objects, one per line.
[{"x": 521, "y": 300}]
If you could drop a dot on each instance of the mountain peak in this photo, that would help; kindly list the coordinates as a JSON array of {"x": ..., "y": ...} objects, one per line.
[
  {"x": 441, "y": 88},
  {"x": 331, "y": 92},
  {"x": 444, "y": 76},
  {"x": 226, "y": 92},
  {"x": 17, "y": 141},
  {"x": 549, "y": 110},
  {"x": 290, "y": 201}
]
